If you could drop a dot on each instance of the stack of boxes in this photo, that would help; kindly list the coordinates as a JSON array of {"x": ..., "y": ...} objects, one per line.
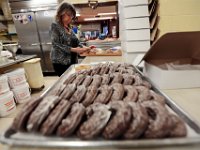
[
  {"x": 13, "y": 89},
  {"x": 7, "y": 103},
  {"x": 138, "y": 26},
  {"x": 19, "y": 85}
]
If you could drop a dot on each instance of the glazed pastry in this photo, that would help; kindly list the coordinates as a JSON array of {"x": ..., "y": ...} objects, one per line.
[
  {"x": 128, "y": 79},
  {"x": 91, "y": 94},
  {"x": 139, "y": 121},
  {"x": 157, "y": 97},
  {"x": 131, "y": 93},
  {"x": 58, "y": 90},
  {"x": 19, "y": 123},
  {"x": 120, "y": 120},
  {"x": 146, "y": 84},
  {"x": 121, "y": 70},
  {"x": 68, "y": 92},
  {"x": 178, "y": 128},
  {"x": 105, "y": 79},
  {"x": 158, "y": 120},
  {"x": 87, "y": 81},
  {"x": 137, "y": 80},
  {"x": 41, "y": 112},
  {"x": 105, "y": 93},
  {"x": 104, "y": 69},
  {"x": 71, "y": 122},
  {"x": 78, "y": 94},
  {"x": 55, "y": 117},
  {"x": 144, "y": 93},
  {"x": 96, "y": 81},
  {"x": 130, "y": 71},
  {"x": 118, "y": 92},
  {"x": 98, "y": 117},
  {"x": 117, "y": 78},
  {"x": 70, "y": 79},
  {"x": 79, "y": 79},
  {"x": 96, "y": 70},
  {"x": 111, "y": 70}
]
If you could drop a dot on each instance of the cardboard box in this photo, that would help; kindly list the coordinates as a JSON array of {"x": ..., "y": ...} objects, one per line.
[
  {"x": 179, "y": 7},
  {"x": 136, "y": 35},
  {"x": 136, "y": 46},
  {"x": 136, "y": 11},
  {"x": 134, "y": 2},
  {"x": 136, "y": 23},
  {"x": 182, "y": 47}
]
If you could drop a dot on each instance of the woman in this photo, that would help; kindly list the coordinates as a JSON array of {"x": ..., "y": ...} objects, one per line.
[{"x": 65, "y": 45}]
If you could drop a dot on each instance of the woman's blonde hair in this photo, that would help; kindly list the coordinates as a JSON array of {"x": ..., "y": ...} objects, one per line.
[{"x": 63, "y": 8}]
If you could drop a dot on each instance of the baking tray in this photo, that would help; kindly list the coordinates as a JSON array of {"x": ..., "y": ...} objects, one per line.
[{"x": 36, "y": 140}]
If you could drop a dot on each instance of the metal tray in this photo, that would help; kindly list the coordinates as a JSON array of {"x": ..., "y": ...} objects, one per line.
[{"x": 35, "y": 140}]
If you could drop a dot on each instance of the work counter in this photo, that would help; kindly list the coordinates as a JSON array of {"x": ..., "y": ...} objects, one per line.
[
  {"x": 188, "y": 99},
  {"x": 19, "y": 59}
]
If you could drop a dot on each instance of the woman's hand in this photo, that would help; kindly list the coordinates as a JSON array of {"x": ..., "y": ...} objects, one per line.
[
  {"x": 81, "y": 50},
  {"x": 85, "y": 49}
]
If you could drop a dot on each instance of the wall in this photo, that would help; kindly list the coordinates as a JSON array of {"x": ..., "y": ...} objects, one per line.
[{"x": 179, "y": 15}]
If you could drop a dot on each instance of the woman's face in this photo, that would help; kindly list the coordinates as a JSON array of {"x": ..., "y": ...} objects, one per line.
[{"x": 66, "y": 18}]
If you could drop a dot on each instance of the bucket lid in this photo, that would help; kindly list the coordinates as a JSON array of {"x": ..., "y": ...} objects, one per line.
[
  {"x": 3, "y": 78},
  {"x": 9, "y": 93},
  {"x": 32, "y": 61},
  {"x": 21, "y": 86},
  {"x": 16, "y": 71}
]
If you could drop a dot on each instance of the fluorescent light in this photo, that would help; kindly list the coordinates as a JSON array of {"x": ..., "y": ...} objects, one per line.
[
  {"x": 101, "y": 18},
  {"x": 105, "y": 14},
  {"x": 78, "y": 15}
]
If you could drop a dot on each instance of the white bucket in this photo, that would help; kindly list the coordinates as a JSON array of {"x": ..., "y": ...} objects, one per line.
[
  {"x": 4, "y": 87},
  {"x": 7, "y": 104},
  {"x": 16, "y": 77},
  {"x": 22, "y": 93}
]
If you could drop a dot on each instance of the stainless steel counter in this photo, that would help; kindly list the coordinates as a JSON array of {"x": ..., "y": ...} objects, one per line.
[{"x": 20, "y": 58}]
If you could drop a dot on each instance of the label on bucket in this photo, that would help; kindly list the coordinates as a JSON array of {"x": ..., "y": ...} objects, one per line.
[
  {"x": 22, "y": 93},
  {"x": 7, "y": 107},
  {"x": 17, "y": 80}
]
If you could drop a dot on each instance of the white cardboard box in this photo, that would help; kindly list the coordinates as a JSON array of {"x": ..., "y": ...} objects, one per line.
[
  {"x": 136, "y": 46},
  {"x": 136, "y": 23},
  {"x": 136, "y": 35},
  {"x": 135, "y": 2},
  {"x": 136, "y": 11},
  {"x": 183, "y": 47}
]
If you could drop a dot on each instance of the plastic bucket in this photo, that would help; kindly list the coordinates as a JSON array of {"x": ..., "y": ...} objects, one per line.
[
  {"x": 7, "y": 104},
  {"x": 34, "y": 73},
  {"x": 4, "y": 87},
  {"x": 22, "y": 93},
  {"x": 16, "y": 77}
]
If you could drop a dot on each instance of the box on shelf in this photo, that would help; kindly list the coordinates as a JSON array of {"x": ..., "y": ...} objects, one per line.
[
  {"x": 138, "y": 10},
  {"x": 180, "y": 49}
]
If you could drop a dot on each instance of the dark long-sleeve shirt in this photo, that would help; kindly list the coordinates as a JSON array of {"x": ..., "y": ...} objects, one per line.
[{"x": 62, "y": 43}]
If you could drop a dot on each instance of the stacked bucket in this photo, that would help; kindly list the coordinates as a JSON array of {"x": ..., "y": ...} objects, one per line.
[{"x": 13, "y": 89}]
